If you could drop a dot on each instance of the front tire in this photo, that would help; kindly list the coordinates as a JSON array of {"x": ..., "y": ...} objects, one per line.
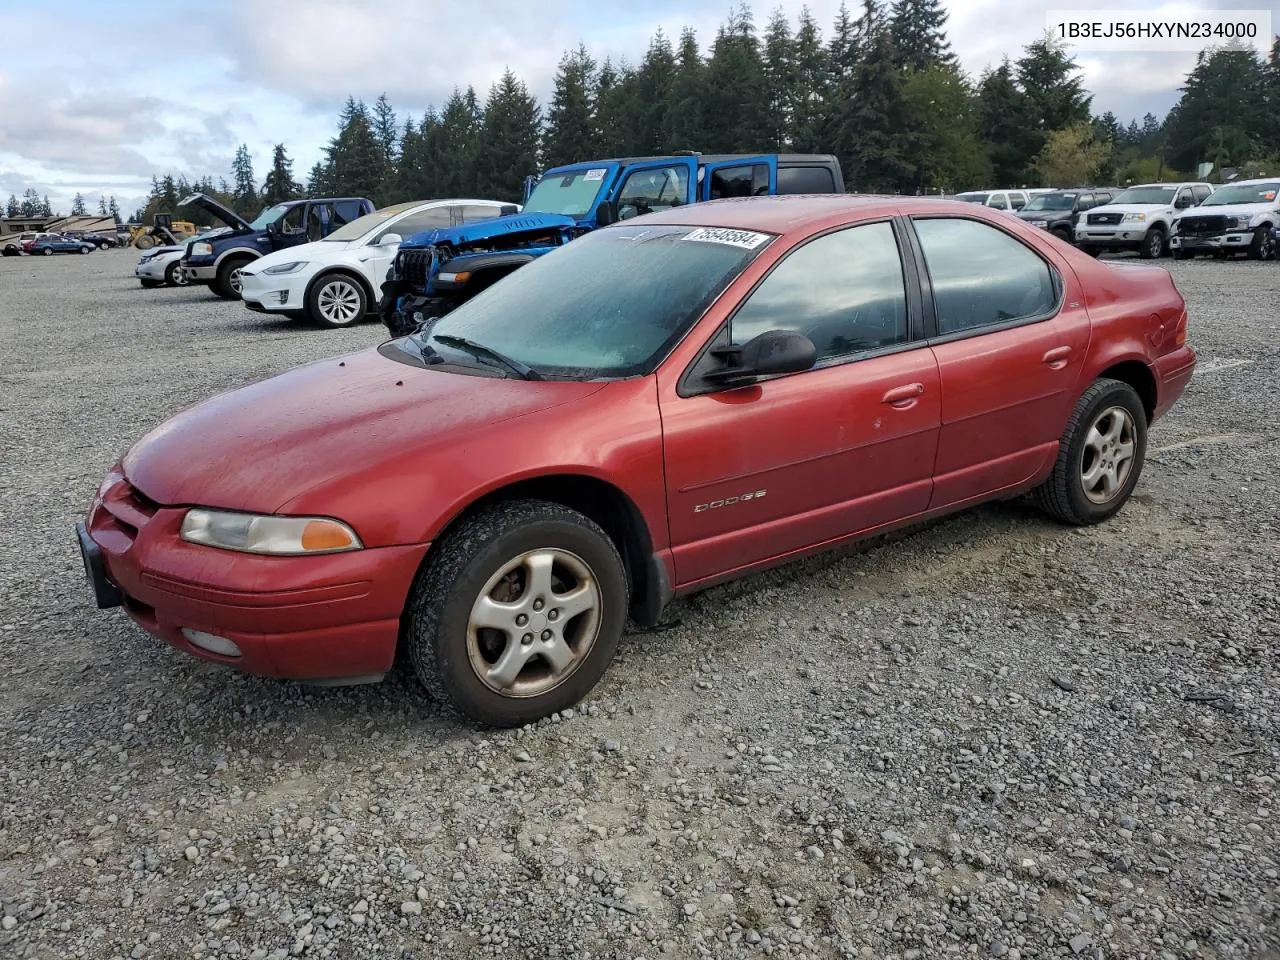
[
  {"x": 47, "y": 251},
  {"x": 1153, "y": 244},
  {"x": 86, "y": 249},
  {"x": 174, "y": 275},
  {"x": 1100, "y": 456},
  {"x": 517, "y": 613},
  {"x": 227, "y": 283},
  {"x": 1261, "y": 247},
  {"x": 335, "y": 301}
]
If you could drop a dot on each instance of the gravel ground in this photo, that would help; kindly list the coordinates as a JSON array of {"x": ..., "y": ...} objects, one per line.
[{"x": 994, "y": 736}]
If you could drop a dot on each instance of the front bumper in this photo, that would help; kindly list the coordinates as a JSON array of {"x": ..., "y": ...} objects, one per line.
[
  {"x": 200, "y": 269},
  {"x": 1116, "y": 238},
  {"x": 265, "y": 293},
  {"x": 1234, "y": 240},
  {"x": 328, "y": 617},
  {"x": 152, "y": 269}
]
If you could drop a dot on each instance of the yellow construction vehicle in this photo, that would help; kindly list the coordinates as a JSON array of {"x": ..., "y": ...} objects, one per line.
[{"x": 163, "y": 230}]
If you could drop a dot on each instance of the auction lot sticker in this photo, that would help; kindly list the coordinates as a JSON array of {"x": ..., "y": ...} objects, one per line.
[{"x": 747, "y": 239}]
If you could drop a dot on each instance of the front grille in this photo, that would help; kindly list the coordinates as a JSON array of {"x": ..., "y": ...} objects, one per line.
[
  {"x": 1105, "y": 219},
  {"x": 414, "y": 266},
  {"x": 1202, "y": 226}
]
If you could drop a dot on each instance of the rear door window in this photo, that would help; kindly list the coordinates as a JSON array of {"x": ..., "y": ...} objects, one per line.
[
  {"x": 805, "y": 180},
  {"x": 747, "y": 181},
  {"x": 476, "y": 212},
  {"x": 981, "y": 276},
  {"x": 344, "y": 211},
  {"x": 433, "y": 218}
]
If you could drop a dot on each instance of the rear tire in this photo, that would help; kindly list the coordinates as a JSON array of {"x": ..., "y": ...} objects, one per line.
[
  {"x": 1062, "y": 235},
  {"x": 86, "y": 249},
  {"x": 1100, "y": 455},
  {"x": 227, "y": 283},
  {"x": 1153, "y": 244},
  {"x": 47, "y": 251},
  {"x": 558, "y": 575},
  {"x": 336, "y": 300}
]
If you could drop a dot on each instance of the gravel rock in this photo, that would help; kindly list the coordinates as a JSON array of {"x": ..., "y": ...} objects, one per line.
[{"x": 892, "y": 708}]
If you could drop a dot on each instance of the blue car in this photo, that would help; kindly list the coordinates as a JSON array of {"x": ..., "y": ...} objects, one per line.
[{"x": 48, "y": 246}]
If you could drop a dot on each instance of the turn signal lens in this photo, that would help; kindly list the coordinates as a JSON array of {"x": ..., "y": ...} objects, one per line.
[
  {"x": 280, "y": 536},
  {"x": 1180, "y": 332}
]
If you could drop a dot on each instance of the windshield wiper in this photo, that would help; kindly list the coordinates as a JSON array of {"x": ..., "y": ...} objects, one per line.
[{"x": 522, "y": 370}]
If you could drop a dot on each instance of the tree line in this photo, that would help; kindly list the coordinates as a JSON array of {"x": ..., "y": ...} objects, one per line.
[
  {"x": 881, "y": 89},
  {"x": 33, "y": 205}
]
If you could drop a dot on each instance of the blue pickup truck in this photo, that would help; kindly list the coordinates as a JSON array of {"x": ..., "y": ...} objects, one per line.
[
  {"x": 217, "y": 262},
  {"x": 434, "y": 272}
]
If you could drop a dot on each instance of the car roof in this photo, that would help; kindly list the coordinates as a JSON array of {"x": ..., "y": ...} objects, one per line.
[
  {"x": 700, "y": 158},
  {"x": 783, "y": 214}
]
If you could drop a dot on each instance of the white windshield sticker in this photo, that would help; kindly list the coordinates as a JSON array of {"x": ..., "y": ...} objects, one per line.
[
  {"x": 746, "y": 239},
  {"x": 597, "y": 174}
]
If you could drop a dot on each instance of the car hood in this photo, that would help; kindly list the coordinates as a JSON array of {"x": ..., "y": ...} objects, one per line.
[
  {"x": 1043, "y": 214},
  {"x": 489, "y": 229},
  {"x": 1148, "y": 208},
  {"x": 223, "y": 213},
  {"x": 256, "y": 448},
  {"x": 1229, "y": 210},
  {"x": 318, "y": 251}
]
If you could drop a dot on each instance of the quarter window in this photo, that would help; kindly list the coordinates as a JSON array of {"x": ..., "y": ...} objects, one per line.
[
  {"x": 430, "y": 219},
  {"x": 475, "y": 212},
  {"x": 982, "y": 276},
  {"x": 844, "y": 291},
  {"x": 659, "y": 188},
  {"x": 805, "y": 180}
]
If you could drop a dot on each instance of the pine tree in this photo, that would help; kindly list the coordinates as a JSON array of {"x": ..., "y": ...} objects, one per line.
[
  {"x": 386, "y": 127},
  {"x": 415, "y": 174},
  {"x": 318, "y": 180},
  {"x": 31, "y": 205},
  {"x": 779, "y": 81},
  {"x": 509, "y": 133},
  {"x": 843, "y": 53},
  {"x": 279, "y": 184},
  {"x": 944, "y": 152},
  {"x": 77, "y": 206},
  {"x": 919, "y": 30},
  {"x": 866, "y": 123},
  {"x": 1051, "y": 80},
  {"x": 1008, "y": 125},
  {"x": 245, "y": 193},
  {"x": 102, "y": 205},
  {"x": 737, "y": 115},
  {"x": 652, "y": 96},
  {"x": 685, "y": 117},
  {"x": 1217, "y": 119},
  {"x": 570, "y": 133},
  {"x": 46, "y": 209},
  {"x": 113, "y": 208},
  {"x": 452, "y": 145},
  {"x": 810, "y": 92},
  {"x": 13, "y": 208},
  {"x": 1271, "y": 135},
  {"x": 614, "y": 89},
  {"x": 356, "y": 165}
]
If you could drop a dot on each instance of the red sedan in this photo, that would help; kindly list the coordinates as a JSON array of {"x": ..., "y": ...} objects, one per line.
[{"x": 664, "y": 404}]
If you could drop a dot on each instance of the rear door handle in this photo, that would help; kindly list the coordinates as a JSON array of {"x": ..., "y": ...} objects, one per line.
[
  {"x": 1056, "y": 358},
  {"x": 904, "y": 396}
]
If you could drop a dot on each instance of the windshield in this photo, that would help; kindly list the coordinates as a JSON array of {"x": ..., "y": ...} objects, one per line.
[
  {"x": 610, "y": 304},
  {"x": 358, "y": 227},
  {"x": 1155, "y": 195},
  {"x": 973, "y": 197},
  {"x": 1243, "y": 193},
  {"x": 1051, "y": 201},
  {"x": 568, "y": 194},
  {"x": 270, "y": 215}
]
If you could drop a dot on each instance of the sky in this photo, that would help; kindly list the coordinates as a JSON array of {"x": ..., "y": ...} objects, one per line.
[{"x": 149, "y": 88}]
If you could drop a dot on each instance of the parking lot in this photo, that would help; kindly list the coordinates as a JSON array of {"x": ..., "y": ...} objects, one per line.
[{"x": 993, "y": 736}]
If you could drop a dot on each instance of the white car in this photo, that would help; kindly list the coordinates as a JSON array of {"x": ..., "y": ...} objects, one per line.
[
  {"x": 162, "y": 266},
  {"x": 1009, "y": 200},
  {"x": 334, "y": 282},
  {"x": 1237, "y": 216},
  {"x": 1138, "y": 218}
]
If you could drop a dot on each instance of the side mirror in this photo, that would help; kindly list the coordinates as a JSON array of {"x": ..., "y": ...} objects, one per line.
[
  {"x": 389, "y": 239},
  {"x": 607, "y": 213},
  {"x": 1182, "y": 203},
  {"x": 769, "y": 353},
  {"x": 275, "y": 226}
]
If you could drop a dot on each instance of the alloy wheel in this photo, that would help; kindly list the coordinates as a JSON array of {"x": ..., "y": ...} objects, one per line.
[
  {"x": 1106, "y": 459},
  {"x": 339, "y": 302},
  {"x": 234, "y": 281},
  {"x": 534, "y": 623}
]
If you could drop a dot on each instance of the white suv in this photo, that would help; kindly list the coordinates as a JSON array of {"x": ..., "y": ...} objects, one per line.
[
  {"x": 334, "y": 282},
  {"x": 1138, "y": 218},
  {"x": 1009, "y": 200},
  {"x": 1238, "y": 216}
]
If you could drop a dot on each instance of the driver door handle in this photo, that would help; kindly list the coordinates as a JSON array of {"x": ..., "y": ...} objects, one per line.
[{"x": 904, "y": 396}]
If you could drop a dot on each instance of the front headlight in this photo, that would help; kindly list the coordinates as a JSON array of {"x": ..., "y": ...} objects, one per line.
[
  {"x": 202, "y": 249},
  {"x": 281, "y": 536},
  {"x": 1135, "y": 217},
  {"x": 293, "y": 267},
  {"x": 1237, "y": 223}
]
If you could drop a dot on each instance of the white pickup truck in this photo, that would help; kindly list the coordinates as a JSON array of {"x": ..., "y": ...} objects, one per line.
[
  {"x": 1138, "y": 218},
  {"x": 1238, "y": 217}
]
